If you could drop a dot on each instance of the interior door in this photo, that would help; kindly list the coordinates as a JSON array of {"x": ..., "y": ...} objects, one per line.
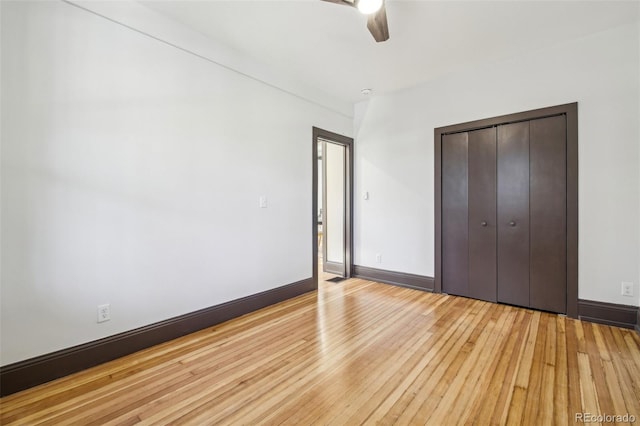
[
  {"x": 334, "y": 207},
  {"x": 455, "y": 214},
  {"x": 548, "y": 195},
  {"x": 469, "y": 214},
  {"x": 513, "y": 213},
  {"x": 482, "y": 214}
]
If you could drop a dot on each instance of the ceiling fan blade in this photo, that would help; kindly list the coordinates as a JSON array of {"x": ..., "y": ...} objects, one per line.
[
  {"x": 344, "y": 2},
  {"x": 377, "y": 24}
]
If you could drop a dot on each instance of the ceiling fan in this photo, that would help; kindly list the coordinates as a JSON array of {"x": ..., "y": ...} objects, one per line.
[{"x": 377, "y": 21}]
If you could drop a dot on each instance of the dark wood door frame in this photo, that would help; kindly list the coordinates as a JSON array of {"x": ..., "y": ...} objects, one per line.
[
  {"x": 320, "y": 134},
  {"x": 571, "y": 113}
]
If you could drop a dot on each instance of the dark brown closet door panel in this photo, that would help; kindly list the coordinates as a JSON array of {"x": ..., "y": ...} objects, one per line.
[
  {"x": 513, "y": 213},
  {"x": 548, "y": 198},
  {"x": 482, "y": 214},
  {"x": 455, "y": 249}
]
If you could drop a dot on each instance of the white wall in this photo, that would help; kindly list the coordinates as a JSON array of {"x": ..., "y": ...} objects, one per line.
[
  {"x": 131, "y": 172},
  {"x": 394, "y": 154}
]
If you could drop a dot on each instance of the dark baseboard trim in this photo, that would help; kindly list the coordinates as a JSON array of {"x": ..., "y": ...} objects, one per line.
[
  {"x": 401, "y": 279},
  {"x": 333, "y": 267},
  {"x": 638, "y": 321},
  {"x": 608, "y": 313},
  {"x": 32, "y": 372}
]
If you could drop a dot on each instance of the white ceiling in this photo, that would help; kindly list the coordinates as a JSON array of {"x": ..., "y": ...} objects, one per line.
[{"x": 328, "y": 46}]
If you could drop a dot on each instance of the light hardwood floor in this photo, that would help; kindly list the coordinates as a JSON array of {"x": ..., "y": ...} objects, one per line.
[{"x": 358, "y": 352}]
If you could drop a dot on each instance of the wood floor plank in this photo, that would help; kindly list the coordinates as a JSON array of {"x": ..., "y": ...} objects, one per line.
[
  {"x": 402, "y": 394},
  {"x": 620, "y": 360},
  {"x": 507, "y": 382},
  {"x": 548, "y": 385},
  {"x": 384, "y": 395},
  {"x": 200, "y": 401},
  {"x": 561, "y": 387},
  {"x": 588, "y": 391},
  {"x": 598, "y": 353},
  {"x": 493, "y": 381},
  {"x": 404, "y": 350},
  {"x": 520, "y": 392},
  {"x": 533, "y": 406},
  {"x": 317, "y": 398},
  {"x": 357, "y": 352},
  {"x": 231, "y": 407},
  {"x": 574, "y": 395},
  {"x": 469, "y": 379},
  {"x": 448, "y": 369},
  {"x": 437, "y": 361},
  {"x": 329, "y": 370}
]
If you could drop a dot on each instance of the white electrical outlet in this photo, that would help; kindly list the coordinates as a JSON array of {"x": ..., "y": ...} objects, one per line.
[
  {"x": 627, "y": 289},
  {"x": 378, "y": 258},
  {"x": 104, "y": 312}
]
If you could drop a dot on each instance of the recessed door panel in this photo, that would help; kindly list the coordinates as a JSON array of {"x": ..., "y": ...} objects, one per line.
[
  {"x": 482, "y": 214},
  {"x": 513, "y": 213},
  {"x": 548, "y": 189},
  {"x": 455, "y": 218}
]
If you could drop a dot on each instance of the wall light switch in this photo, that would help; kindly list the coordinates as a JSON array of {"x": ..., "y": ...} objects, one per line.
[
  {"x": 263, "y": 202},
  {"x": 366, "y": 195}
]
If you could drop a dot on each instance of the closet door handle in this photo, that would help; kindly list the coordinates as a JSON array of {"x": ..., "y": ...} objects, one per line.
[
  {"x": 512, "y": 223},
  {"x": 483, "y": 223}
]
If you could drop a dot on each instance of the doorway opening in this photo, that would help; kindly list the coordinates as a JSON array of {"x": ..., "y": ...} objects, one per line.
[{"x": 332, "y": 206}]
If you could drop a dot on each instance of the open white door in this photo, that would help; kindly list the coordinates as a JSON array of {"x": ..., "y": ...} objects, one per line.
[{"x": 334, "y": 207}]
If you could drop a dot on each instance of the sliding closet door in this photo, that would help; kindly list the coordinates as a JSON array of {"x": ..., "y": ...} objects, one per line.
[
  {"x": 513, "y": 213},
  {"x": 548, "y": 195},
  {"x": 482, "y": 214},
  {"x": 455, "y": 217}
]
